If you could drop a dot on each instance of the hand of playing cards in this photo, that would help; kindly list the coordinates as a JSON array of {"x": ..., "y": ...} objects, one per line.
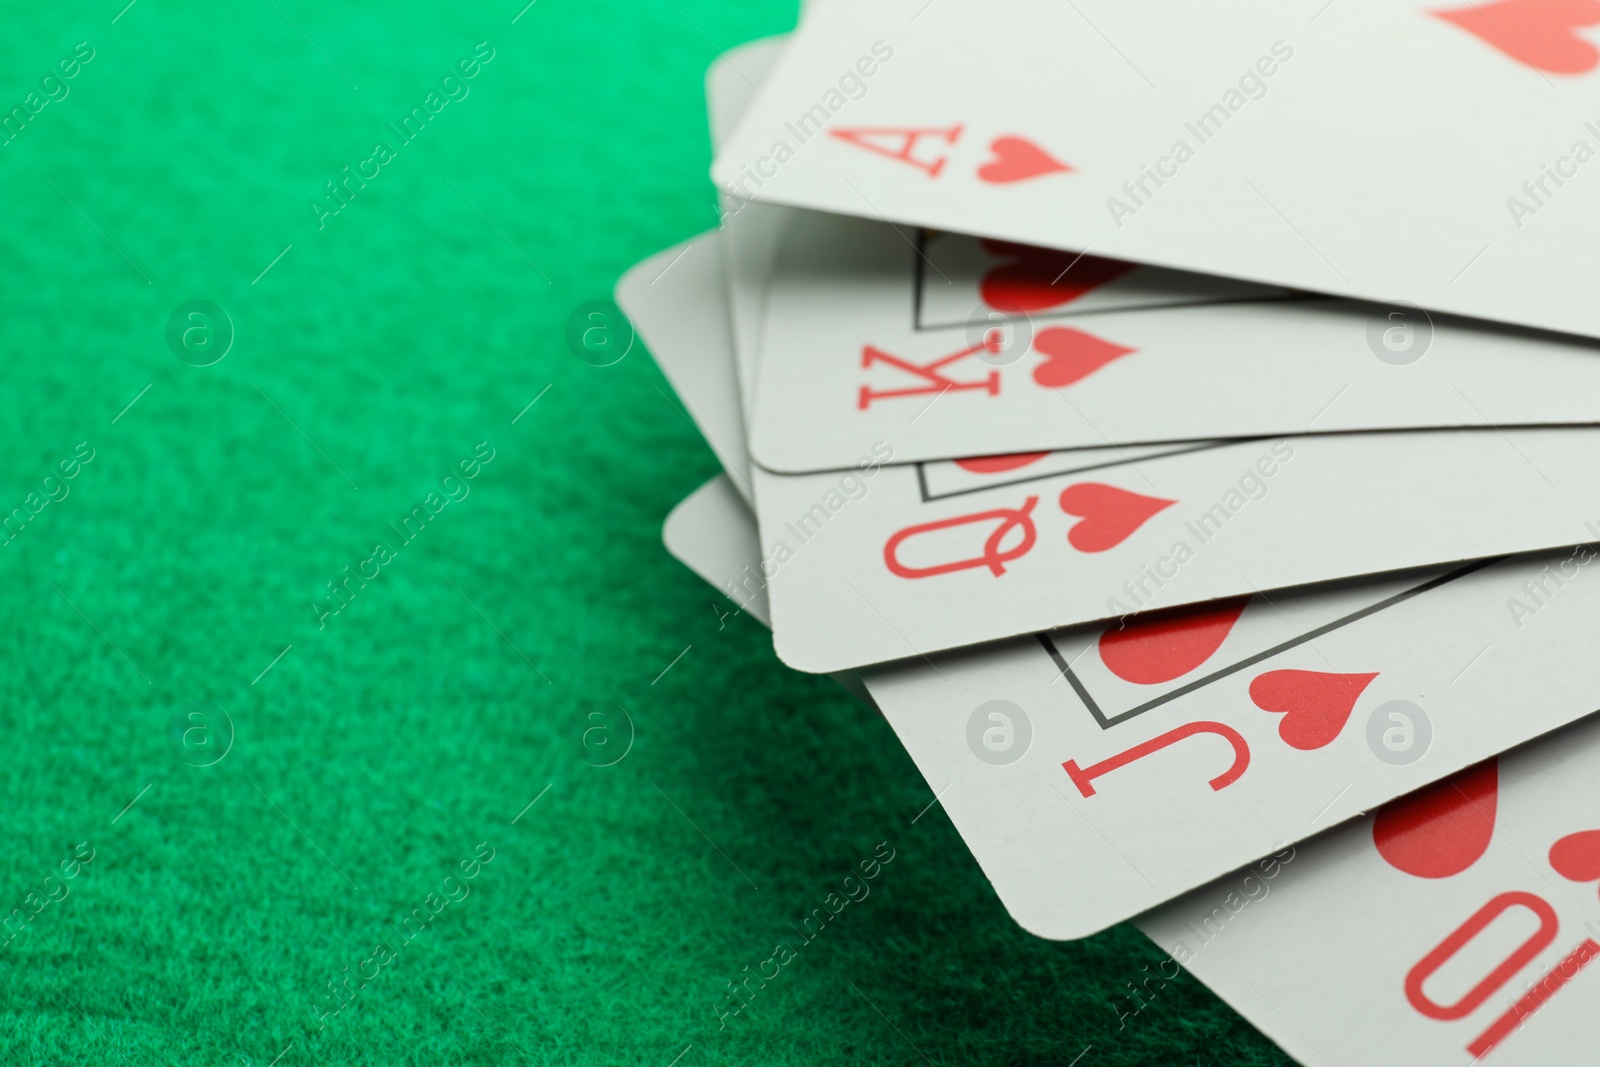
[{"x": 1249, "y": 610}]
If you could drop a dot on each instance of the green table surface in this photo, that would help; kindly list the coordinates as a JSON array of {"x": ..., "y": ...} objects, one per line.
[{"x": 162, "y": 601}]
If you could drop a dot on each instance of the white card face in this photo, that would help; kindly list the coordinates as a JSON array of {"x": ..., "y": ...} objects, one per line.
[
  {"x": 878, "y": 563},
  {"x": 732, "y": 81},
  {"x": 1457, "y": 925},
  {"x": 951, "y": 346},
  {"x": 709, "y": 387},
  {"x": 712, "y": 532},
  {"x": 1097, "y": 773},
  {"x": 887, "y": 562},
  {"x": 751, "y": 232},
  {"x": 1436, "y": 154}
]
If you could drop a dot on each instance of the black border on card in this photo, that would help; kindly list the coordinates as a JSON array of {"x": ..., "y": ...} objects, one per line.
[
  {"x": 1249, "y": 661},
  {"x": 929, "y": 497},
  {"x": 919, "y": 278}
]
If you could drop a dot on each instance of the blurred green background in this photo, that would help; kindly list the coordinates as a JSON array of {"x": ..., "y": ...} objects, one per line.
[{"x": 162, "y": 606}]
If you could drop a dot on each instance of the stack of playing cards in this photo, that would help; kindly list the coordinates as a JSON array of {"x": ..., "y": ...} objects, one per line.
[{"x": 1181, "y": 420}]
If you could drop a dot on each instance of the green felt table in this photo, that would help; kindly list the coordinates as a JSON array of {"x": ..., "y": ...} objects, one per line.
[{"x": 310, "y": 829}]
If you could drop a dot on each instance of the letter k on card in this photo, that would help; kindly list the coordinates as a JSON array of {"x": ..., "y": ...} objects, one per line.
[
  {"x": 1006, "y": 158},
  {"x": 1070, "y": 355}
]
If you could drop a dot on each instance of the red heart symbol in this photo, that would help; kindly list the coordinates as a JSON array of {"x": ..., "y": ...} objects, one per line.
[
  {"x": 1315, "y": 705},
  {"x": 1577, "y": 856},
  {"x": 1037, "y": 278},
  {"x": 1443, "y": 829},
  {"x": 1110, "y": 515},
  {"x": 1169, "y": 644},
  {"x": 1071, "y": 355},
  {"x": 1018, "y": 159},
  {"x": 996, "y": 464},
  {"x": 1536, "y": 33}
]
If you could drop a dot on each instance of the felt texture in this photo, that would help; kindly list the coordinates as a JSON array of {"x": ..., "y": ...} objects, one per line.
[{"x": 164, "y": 611}]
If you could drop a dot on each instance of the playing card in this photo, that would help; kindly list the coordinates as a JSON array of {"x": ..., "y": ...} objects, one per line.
[
  {"x": 732, "y": 81},
  {"x": 712, "y": 532},
  {"x": 717, "y": 394},
  {"x": 957, "y": 346},
  {"x": 885, "y": 562},
  {"x": 1454, "y": 925},
  {"x": 1096, "y": 772},
  {"x": 1432, "y": 154},
  {"x": 751, "y": 231},
  {"x": 649, "y": 293}
]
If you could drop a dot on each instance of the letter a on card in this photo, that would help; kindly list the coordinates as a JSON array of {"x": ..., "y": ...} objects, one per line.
[{"x": 900, "y": 144}]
